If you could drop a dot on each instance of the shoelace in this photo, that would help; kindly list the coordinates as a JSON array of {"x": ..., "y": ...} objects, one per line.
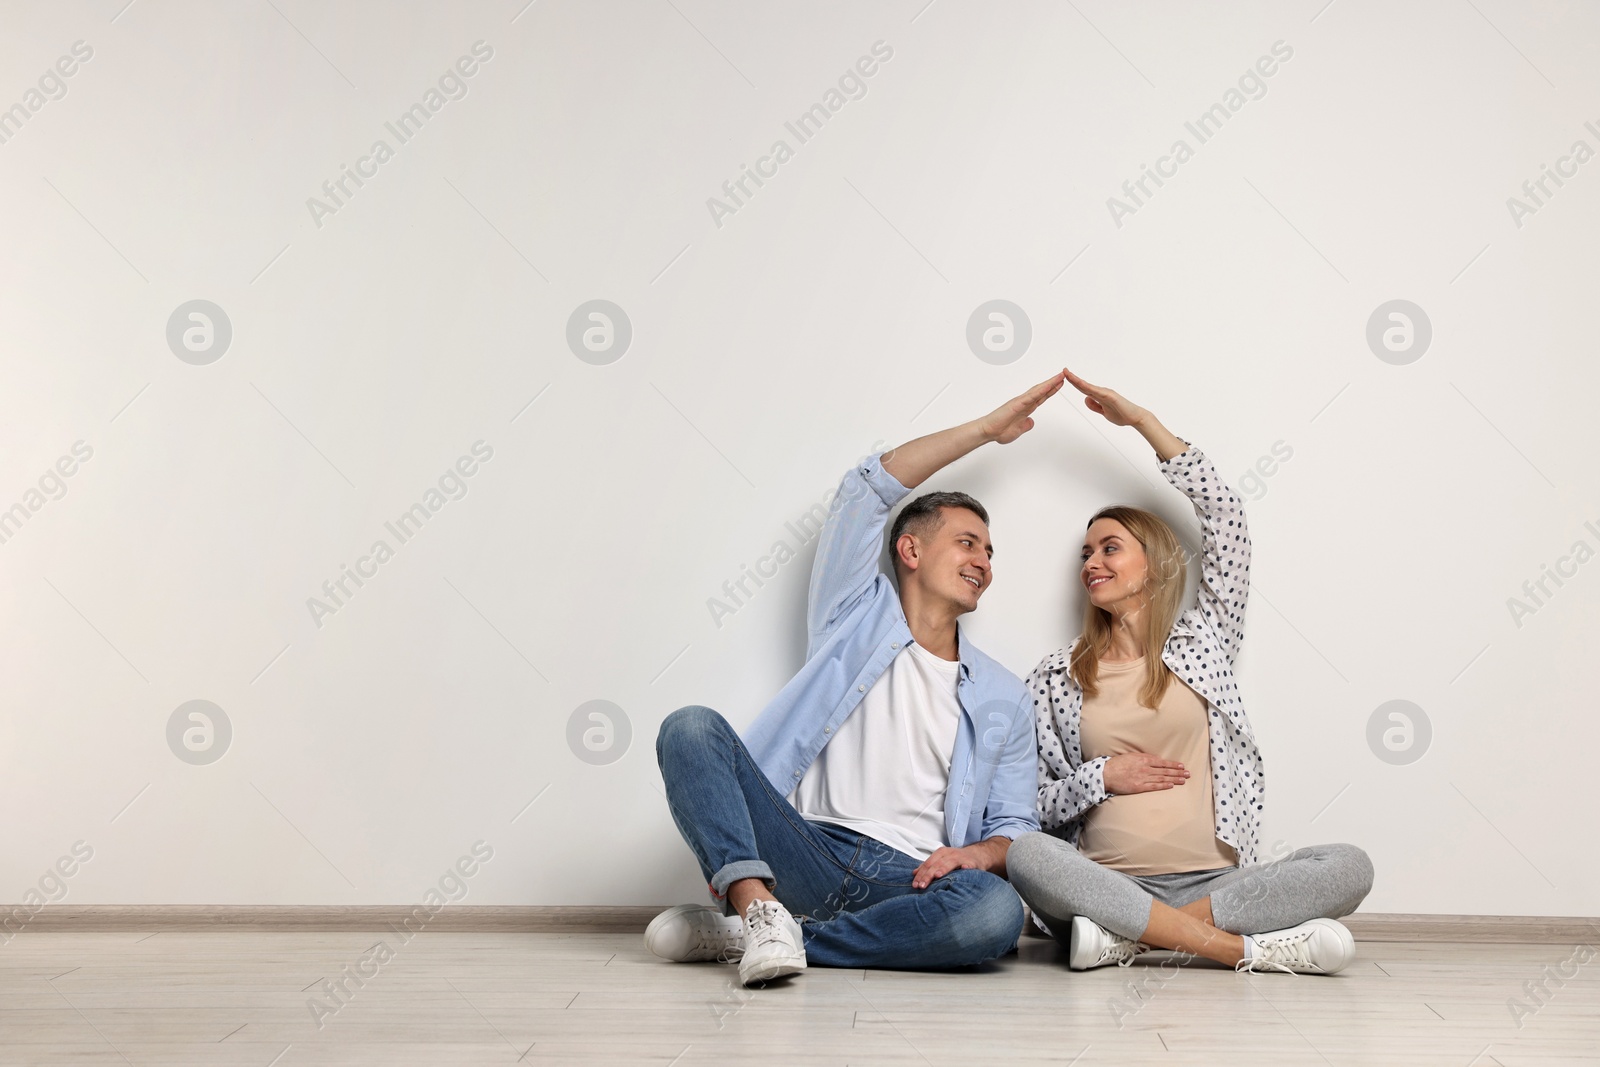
[
  {"x": 729, "y": 945},
  {"x": 1123, "y": 951},
  {"x": 763, "y": 923},
  {"x": 1277, "y": 953}
]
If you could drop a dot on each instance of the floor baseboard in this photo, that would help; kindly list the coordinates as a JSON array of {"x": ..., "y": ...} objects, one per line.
[
  {"x": 56, "y": 918},
  {"x": 313, "y": 917},
  {"x": 1475, "y": 929}
]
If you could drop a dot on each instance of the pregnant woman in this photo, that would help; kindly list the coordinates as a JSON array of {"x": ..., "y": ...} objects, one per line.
[{"x": 1150, "y": 782}]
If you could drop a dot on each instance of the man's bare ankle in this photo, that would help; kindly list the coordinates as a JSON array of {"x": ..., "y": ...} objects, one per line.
[{"x": 742, "y": 892}]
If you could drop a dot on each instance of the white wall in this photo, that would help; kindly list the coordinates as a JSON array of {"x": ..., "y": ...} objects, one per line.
[{"x": 374, "y": 345}]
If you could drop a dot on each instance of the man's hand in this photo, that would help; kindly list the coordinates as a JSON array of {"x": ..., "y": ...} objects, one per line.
[
  {"x": 1012, "y": 419},
  {"x": 987, "y": 855},
  {"x": 1140, "y": 772},
  {"x": 916, "y": 461},
  {"x": 941, "y": 863}
]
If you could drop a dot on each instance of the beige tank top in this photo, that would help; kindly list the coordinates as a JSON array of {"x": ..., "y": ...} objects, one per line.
[{"x": 1164, "y": 831}]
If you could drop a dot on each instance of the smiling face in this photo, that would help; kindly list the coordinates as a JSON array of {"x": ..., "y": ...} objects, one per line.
[
  {"x": 1114, "y": 566},
  {"x": 952, "y": 560}
]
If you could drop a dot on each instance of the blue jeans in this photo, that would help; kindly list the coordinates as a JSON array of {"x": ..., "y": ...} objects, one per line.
[{"x": 851, "y": 893}]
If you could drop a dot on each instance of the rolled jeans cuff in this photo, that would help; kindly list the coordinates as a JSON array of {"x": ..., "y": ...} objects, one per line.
[{"x": 736, "y": 870}]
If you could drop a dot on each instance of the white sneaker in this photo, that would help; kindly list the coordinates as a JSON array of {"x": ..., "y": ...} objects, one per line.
[
  {"x": 1319, "y": 946},
  {"x": 691, "y": 933},
  {"x": 1091, "y": 945},
  {"x": 773, "y": 946}
]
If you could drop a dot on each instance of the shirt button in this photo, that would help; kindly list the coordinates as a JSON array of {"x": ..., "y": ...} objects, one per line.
[
  {"x": 861, "y": 689},
  {"x": 827, "y": 729},
  {"x": 797, "y": 774},
  {"x": 894, "y": 644}
]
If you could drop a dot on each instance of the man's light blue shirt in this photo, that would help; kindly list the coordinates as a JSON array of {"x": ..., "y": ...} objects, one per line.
[{"x": 856, "y": 627}]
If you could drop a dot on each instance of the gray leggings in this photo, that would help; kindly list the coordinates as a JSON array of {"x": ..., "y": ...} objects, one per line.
[{"x": 1059, "y": 882}]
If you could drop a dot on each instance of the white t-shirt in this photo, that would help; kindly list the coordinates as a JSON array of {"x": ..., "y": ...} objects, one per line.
[{"x": 885, "y": 772}]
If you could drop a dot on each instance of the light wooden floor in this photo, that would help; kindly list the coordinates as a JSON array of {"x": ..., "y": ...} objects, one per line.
[{"x": 240, "y": 997}]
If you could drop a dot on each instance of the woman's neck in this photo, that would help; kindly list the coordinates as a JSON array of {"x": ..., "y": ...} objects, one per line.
[{"x": 1125, "y": 642}]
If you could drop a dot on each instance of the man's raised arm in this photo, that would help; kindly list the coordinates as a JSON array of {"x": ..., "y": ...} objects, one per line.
[
  {"x": 852, "y": 537},
  {"x": 916, "y": 461}
]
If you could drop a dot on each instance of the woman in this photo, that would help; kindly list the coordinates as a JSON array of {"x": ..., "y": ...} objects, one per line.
[{"x": 1150, "y": 783}]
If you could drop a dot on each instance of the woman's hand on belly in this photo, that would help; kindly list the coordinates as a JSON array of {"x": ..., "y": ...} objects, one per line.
[{"x": 1140, "y": 772}]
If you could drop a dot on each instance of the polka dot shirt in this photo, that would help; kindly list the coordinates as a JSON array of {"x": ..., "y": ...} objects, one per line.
[{"x": 1200, "y": 650}]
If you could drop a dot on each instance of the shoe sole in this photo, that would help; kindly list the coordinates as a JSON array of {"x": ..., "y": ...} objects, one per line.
[
  {"x": 665, "y": 918},
  {"x": 776, "y": 967}
]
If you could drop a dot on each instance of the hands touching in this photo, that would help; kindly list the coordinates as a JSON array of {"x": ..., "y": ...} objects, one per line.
[{"x": 916, "y": 461}]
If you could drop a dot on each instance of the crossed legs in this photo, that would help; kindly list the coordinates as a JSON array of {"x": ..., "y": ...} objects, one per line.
[
  {"x": 1202, "y": 912},
  {"x": 852, "y": 895}
]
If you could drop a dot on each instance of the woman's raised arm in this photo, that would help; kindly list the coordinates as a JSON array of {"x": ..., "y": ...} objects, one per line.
[{"x": 1225, "y": 553}]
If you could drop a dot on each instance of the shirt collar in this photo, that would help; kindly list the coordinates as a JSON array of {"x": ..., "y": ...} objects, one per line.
[
  {"x": 964, "y": 652},
  {"x": 1059, "y": 659}
]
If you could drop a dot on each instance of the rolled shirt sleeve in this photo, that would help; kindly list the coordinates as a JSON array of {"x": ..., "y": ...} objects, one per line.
[{"x": 850, "y": 544}]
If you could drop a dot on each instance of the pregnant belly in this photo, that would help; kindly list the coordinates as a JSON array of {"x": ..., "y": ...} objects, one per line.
[{"x": 1160, "y": 832}]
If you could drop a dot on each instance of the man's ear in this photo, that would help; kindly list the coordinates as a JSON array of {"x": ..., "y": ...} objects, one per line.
[{"x": 911, "y": 557}]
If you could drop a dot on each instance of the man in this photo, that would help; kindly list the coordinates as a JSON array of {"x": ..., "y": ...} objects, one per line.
[{"x": 864, "y": 817}]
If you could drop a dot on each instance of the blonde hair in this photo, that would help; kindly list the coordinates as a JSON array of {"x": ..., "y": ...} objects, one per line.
[{"x": 1163, "y": 588}]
